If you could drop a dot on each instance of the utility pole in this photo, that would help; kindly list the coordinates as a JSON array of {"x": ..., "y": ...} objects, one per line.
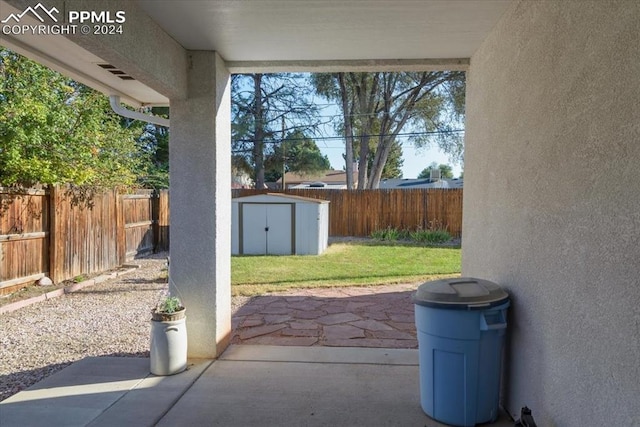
[{"x": 284, "y": 156}]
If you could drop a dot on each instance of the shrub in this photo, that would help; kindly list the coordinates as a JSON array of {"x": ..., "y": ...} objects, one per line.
[
  {"x": 378, "y": 234},
  {"x": 388, "y": 233},
  {"x": 435, "y": 234},
  {"x": 431, "y": 236},
  {"x": 439, "y": 235}
]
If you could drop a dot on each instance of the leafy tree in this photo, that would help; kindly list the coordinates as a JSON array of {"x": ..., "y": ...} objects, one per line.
[
  {"x": 356, "y": 94},
  {"x": 446, "y": 171},
  {"x": 56, "y": 131},
  {"x": 297, "y": 153},
  {"x": 153, "y": 146},
  {"x": 379, "y": 106},
  {"x": 264, "y": 108}
]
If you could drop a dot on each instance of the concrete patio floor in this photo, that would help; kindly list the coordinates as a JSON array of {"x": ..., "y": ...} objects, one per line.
[{"x": 248, "y": 385}]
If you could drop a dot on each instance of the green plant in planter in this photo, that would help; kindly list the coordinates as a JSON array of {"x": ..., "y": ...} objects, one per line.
[
  {"x": 169, "y": 305},
  {"x": 168, "y": 308},
  {"x": 168, "y": 349}
]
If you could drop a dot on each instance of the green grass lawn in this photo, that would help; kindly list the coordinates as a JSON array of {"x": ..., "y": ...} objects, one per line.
[{"x": 343, "y": 265}]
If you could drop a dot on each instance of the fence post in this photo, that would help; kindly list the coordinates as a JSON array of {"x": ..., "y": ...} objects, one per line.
[
  {"x": 155, "y": 209},
  {"x": 56, "y": 255},
  {"x": 163, "y": 220},
  {"x": 121, "y": 244}
]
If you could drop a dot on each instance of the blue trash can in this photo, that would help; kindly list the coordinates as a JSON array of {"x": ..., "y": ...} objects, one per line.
[{"x": 461, "y": 325}]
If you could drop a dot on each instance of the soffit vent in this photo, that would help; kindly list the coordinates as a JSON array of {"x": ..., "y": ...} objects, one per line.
[{"x": 113, "y": 70}]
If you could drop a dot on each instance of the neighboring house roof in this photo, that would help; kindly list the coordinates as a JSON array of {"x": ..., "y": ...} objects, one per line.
[
  {"x": 330, "y": 178},
  {"x": 319, "y": 186},
  {"x": 421, "y": 183}
]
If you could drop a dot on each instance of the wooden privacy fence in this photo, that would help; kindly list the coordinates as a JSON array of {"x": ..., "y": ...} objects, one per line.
[
  {"x": 359, "y": 213},
  {"x": 43, "y": 234}
]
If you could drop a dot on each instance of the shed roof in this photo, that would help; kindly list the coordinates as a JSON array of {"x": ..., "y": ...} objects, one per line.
[{"x": 281, "y": 197}]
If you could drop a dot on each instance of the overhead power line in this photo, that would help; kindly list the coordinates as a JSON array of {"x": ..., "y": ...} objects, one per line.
[{"x": 326, "y": 138}]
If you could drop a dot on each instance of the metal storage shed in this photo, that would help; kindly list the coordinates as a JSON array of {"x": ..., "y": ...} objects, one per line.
[{"x": 279, "y": 224}]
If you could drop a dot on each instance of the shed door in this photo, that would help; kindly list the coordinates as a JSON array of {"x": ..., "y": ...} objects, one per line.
[{"x": 267, "y": 229}]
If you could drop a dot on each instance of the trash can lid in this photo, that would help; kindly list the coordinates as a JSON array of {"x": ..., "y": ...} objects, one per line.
[{"x": 464, "y": 293}]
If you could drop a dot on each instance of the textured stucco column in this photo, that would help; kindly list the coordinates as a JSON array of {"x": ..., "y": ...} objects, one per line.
[
  {"x": 552, "y": 204},
  {"x": 200, "y": 197}
]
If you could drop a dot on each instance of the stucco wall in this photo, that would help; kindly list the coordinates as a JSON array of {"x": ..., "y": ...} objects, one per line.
[
  {"x": 199, "y": 153},
  {"x": 552, "y": 204}
]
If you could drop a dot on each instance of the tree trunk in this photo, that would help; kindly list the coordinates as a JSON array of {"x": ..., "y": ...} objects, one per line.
[
  {"x": 348, "y": 131},
  {"x": 258, "y": 148},
  {"x": 393, "y": 120},
  {"x": 368, "y": 100},
  {"x": 379, "y": 161}
]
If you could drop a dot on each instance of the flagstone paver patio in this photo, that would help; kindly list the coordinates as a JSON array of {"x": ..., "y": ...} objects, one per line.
[{"x": 380, "y": 316}]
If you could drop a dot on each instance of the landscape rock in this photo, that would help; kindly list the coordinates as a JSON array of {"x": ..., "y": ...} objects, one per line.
[{"x": 45, "y": 281}]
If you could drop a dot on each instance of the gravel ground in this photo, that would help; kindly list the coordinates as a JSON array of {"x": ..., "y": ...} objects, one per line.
[{"x": 107, "y": 319}]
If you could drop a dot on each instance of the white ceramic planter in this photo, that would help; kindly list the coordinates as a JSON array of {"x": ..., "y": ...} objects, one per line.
[{"x": 168, "y": 346}]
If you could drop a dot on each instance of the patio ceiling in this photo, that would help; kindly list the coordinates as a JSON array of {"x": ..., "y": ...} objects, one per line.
[
  {"x": 269, "y": 31},
  {"x": 268, "y": 36}
]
